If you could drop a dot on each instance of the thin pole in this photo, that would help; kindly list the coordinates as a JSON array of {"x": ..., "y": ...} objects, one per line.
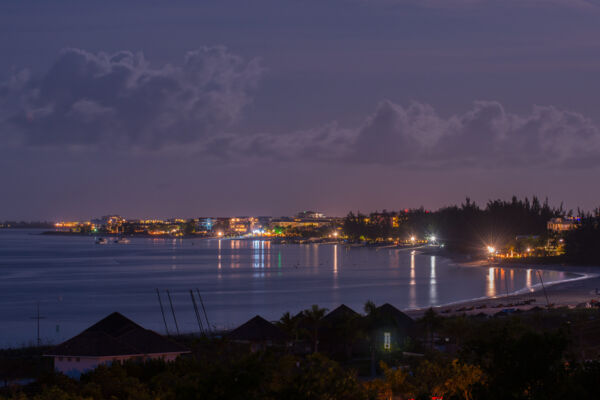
[
  {"x": 162, "y": 311},
  {"x": 197, "y": 313},
  {"x": 544, "y": 288},
  {"x": 203, "y": 309},
  {"x": 173, "y": 311},
  {"x": 38, "y": 317}
]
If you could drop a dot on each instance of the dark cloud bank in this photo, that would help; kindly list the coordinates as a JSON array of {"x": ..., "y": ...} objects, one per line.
[{"x": 120, "y": 100}]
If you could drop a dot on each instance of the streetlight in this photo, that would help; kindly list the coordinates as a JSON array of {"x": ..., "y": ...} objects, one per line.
[
  {"x": 412, "y": 239},
  {"x": 335, "y": 234},
  {"x": 491, "y": 249},
  {"x": 219, "y": 233}
]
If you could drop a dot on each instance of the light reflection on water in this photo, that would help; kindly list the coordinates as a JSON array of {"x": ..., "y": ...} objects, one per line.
[{"x": 78, "y": 282}]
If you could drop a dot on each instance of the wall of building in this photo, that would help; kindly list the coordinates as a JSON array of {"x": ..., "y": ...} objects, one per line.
[{"x": 75, "y": 366}]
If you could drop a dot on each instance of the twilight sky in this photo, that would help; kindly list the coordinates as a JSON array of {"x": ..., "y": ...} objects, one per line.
[{"x": 267, "y": 107}]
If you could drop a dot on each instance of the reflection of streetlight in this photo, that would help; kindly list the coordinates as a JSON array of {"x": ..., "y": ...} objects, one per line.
[{"x": 491, "y": 249}]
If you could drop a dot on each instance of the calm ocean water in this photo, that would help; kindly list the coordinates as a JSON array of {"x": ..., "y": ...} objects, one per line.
[{"x": 77, "y": 282}]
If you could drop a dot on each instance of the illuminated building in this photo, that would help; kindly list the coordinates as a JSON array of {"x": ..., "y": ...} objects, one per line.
[{"x": 562, "y": 224}]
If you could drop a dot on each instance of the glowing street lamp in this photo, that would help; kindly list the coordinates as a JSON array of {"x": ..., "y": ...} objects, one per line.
[
  {"x": 219, "y": 233},
  {"x": 491, "y": 249},
  {"x": 335, "y": 234},
  {"x": 412, "y": 239}
]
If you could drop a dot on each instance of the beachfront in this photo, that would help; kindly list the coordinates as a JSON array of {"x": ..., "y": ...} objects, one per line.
[{"x": 578, "y": 292}]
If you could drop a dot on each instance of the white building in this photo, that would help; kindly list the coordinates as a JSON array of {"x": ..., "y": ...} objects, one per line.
[{"x": 113, "y": 339}]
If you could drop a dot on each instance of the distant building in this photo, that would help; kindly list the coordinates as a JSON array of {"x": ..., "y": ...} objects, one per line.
[
  {"x": 562, "y": 224},
  {"x": 300, "y": 223},
  {"x": 109, "y": 223},
  {"x": 113, "y": 339},
  {"x": 242, "y": 225},
  {"x": 310, "y": 215},
  {"x": 205, "y": 224}
]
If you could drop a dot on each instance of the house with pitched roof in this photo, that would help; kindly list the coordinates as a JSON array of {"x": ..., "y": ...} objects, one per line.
[
  {"x": 390, "y": 327},
  {"x": 115, "y": 338},
  {"x": 259, "y": 333}
]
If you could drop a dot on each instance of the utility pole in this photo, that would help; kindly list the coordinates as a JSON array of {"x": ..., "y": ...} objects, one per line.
[{"x": 38, "y": 317}]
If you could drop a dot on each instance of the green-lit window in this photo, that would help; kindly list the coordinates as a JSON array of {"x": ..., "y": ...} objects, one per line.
[{"x": 387, "y": 340}]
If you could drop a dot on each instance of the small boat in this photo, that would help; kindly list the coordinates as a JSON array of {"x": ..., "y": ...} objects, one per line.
[
  {"x": 122, "y": 240},
  {"x": 101, "y": 240}
]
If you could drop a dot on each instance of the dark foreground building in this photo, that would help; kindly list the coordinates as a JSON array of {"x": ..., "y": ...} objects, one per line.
[
  {"x": 259, "y": 333},
  {"x": 113, "y": 339}
]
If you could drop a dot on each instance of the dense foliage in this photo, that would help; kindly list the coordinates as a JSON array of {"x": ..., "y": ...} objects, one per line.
[
  {"x": 467, "y": 228},
  {"x": 531, "y": 356},
  {"x": 583, "y": 243}
]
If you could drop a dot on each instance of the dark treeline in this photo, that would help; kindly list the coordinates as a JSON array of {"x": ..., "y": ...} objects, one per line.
[
  {"x": 583, "y": 243},
  {"x": 538, "y": 355},
  {"x": 26, "y": 224},
  {"x": 467, "y": 228}
]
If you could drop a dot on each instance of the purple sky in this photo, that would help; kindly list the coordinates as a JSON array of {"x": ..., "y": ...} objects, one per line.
[{"x": 267, "y": 107}]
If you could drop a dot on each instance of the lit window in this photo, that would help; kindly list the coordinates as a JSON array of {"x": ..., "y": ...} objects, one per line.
[{"x": 387, "y": 340}]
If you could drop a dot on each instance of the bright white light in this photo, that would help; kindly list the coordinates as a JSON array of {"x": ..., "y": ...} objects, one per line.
[
  {"x": 491, "y": 249},
  {"x": 432, "y": 238},
  {"x": 335, "y": 234},
  {"x": 219, "y": 233},
  {"x": 412, "y": 238},
  {"x": 528, "y": 249}
]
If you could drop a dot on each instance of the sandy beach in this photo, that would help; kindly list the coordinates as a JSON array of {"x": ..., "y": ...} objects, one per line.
[{"x": 576, "y": 292}]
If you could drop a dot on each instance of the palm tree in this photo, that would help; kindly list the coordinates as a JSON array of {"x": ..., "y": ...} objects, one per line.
[
  {"x": 371, "y": 320},
  {"x": 313, "y": 317},
  {"x": 432, "y": 322},
  {"x": 289, "y": 324}
]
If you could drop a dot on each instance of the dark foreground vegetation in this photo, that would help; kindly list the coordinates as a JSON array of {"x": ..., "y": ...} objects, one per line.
[{"x": 535, "y": 355}]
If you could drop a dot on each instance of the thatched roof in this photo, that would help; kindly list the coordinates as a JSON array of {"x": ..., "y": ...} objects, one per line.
[
  {"x": 257, "y": 329},
  {"x": 341, "y": 313},
  {"x": 116, "y": 335},
  {"x": 388, "y": 312}
]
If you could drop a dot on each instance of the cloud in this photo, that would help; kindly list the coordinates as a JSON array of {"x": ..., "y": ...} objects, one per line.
[
  {"x": 574, "y": 4},
  {"x": 485, "y": 135},
  {"x": 416, "y": 136},
  {"x": 119, "y": 99}
]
